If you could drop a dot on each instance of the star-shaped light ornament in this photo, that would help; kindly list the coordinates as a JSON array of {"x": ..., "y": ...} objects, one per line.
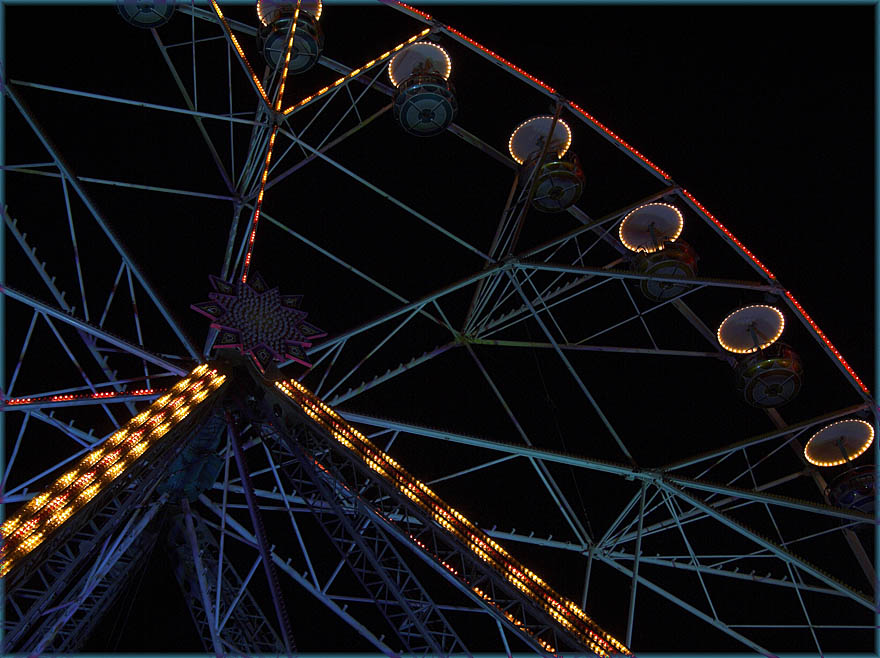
[{"x": 258, "y": 321}]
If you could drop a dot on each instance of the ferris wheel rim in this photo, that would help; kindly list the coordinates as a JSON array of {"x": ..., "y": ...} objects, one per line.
[{"x": 786, "y": 291}]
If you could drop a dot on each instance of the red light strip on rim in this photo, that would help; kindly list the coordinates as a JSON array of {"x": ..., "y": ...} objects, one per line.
[
  {"x": 101, "y": 395},
  {"x": 416, "y": 11},
  {"x": 617, "y": 138},
  {"x": 238, "y": 48},
  {"x": 258, "y": 206},
  {"x": 729, "y": 234},
  {"x": 574, "y": 106},
  {"x": 827, "y": 342}
]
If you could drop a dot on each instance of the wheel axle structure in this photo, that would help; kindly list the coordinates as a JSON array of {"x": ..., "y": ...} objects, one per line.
[{"x": 527, "y": 423}]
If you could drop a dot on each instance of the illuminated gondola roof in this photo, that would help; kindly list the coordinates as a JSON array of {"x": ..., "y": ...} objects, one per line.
[
  {"x": 751, "y": 328},
  {"x": 839, "y": 442}
]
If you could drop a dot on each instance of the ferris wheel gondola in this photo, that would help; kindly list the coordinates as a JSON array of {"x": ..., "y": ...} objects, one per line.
[
  {"x": 855, "y": 489},
  {"x": 557, "y": 291},
  {"x": 546, "y": 163},
  {"x": 651, "y": 232},
  {"x": 277, "y": 21},
  {"x": 768, "y": 373},
  {"x": 424, "y": 100}
]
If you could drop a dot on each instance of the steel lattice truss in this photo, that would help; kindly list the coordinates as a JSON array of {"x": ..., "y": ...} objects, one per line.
[{"x": 488, "y": 365}]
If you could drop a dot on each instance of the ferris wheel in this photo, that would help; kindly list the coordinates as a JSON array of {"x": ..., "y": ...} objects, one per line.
[{"x": 376, "y": 365}]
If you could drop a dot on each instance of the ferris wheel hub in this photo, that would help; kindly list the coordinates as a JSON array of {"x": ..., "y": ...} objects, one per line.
[{"x": 258, "y": 321}]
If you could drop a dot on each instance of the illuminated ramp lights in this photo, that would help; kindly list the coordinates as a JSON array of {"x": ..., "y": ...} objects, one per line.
[
  {"x": 565, "y": 612},
  {"x": 47, "y": 511}
]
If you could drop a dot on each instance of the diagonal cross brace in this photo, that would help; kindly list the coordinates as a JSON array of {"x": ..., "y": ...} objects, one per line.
[
  {"x": 117, "y": 244},
  {"x": 262, "y": 544},
  {"x": 89, "y": 328},
  {"x": 380, "y": 568},
  {"x": 767, "y": 544}
]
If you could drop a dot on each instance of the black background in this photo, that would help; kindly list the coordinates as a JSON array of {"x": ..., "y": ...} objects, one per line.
[{"x": 764, "y": 113}]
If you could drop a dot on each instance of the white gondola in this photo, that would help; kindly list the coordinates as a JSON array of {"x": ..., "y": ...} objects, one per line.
[
  {"x": 557, "y": 175},
  {"x": 651, "y": 233},
  {"x": 277, "y": 21},
  {"x": 768, "y": 373},
  {"x": 424, "y": 100}
]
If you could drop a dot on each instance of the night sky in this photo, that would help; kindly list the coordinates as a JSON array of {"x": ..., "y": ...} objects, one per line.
[{"x": 764, "y": 113}]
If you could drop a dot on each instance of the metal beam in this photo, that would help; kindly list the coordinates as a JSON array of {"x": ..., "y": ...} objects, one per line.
[
  {"x": 612, "y": 468},
  {"x": 686, "y": 606},
  {"x": 571, "y": 370},
  {"x": 589, "y": 348},
  {"x": 125, "y": 101},
  {"x": 90, "y": 329},
  {"x": 437, "y": 294},
  {"x": 262, "y": 543},
  {"x": 637, "y": 276},
  {"x": 765, "y": 543},
  {"x": 117, "y": 244},
  {"x": 133, "y": 186},
  {"x": 200, "y": 575},
  {"x": 301, "y": 580}
]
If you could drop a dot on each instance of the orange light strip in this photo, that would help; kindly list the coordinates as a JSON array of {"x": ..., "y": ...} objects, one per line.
[
  {"x": 828, "y": 343},
  {"x": 258, "y": 206},
  {"x": 358, "y": 70},
  {"x": 239, "y": 50},
  {"x": 100, "y": 395},
  {"x": 287, "y": 58},
  {"x": 49, "y": 510},
  {"x": 564, "y": 611}
]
